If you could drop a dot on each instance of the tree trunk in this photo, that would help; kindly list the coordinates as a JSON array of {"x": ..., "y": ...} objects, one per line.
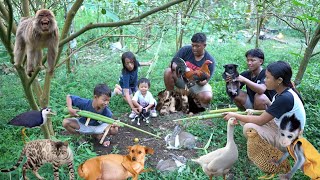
[{"x": 307, "y": 55}]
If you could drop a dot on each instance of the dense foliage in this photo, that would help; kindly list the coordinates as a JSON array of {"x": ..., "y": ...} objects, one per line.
[{"x": 228, "y": 26}]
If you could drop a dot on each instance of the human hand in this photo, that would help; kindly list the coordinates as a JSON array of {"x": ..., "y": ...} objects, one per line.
[
  {"x": 114, "y": 125},
  {"x": 240, "y": 78},
  {"x": 136, "y": 110},
  {"x": 228, "y": 115},
  {"x": 73, "y": 112},
  {"x": 228, "y": 78},
  {"x": 202, "y": 83}
]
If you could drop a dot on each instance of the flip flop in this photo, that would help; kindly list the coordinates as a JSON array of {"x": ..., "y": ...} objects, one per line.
[{"x": 106, "y": 142}]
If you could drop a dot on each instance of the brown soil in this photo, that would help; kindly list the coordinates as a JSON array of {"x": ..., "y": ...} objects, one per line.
[{"x": 161, "y": 125}]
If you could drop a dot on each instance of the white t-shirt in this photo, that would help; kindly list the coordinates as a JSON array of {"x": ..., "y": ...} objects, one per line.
[
  {"x": 144, "y": 101},
  {"x": 286, "y": 104}
]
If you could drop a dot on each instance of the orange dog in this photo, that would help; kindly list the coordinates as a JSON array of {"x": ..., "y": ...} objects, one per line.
[{"x": 116, "y": 166}]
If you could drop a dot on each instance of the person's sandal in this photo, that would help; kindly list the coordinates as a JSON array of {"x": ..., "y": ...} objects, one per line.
[{"x": 106, "y": 142}]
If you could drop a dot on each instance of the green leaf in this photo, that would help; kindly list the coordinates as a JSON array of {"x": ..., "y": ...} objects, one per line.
[
  {"x": 112, "y": 15},
  {"x": 103, "y": 11},
  {"x": 139, "y": 3},
  {"x": 298, "y": 3}
]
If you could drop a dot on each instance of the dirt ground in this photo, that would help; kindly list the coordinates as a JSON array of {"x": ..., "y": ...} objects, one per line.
[{"x": 161, "y": 125}]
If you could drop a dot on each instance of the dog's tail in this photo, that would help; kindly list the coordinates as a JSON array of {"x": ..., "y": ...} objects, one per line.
[{"x": 81, "y": 172}]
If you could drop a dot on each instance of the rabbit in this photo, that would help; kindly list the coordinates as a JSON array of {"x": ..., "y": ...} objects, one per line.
[{"x": 179, "y": 139}]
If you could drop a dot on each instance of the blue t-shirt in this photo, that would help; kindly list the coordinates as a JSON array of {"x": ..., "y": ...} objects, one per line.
[
  {"x": 129, "y": 79},
  {"x": 286, "y": 104},
  {"x": 187, "y": 55},
  {"x": 86, "y": 104}
]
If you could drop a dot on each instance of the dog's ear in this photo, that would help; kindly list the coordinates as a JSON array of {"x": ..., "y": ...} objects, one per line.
[
  {"x": 129, "y": 148},
  {"x": 225, "y": 65},
  {"x": 236, "y": 65},
  {"x": 149, "y": 150}
]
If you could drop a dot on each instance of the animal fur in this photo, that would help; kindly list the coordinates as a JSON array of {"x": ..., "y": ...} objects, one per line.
[
  {"x": 116, "y": 166},
  {"x": 171, "y": 102},
  {"x": 43, "y": 151},
  {"x": 232, "y": 87},
  {"x": 33, "y": 34}
]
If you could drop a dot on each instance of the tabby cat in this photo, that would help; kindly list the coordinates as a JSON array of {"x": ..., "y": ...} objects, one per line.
[
  {"x": 43, "y": 151},
  {"x": 171, "y": 102}
]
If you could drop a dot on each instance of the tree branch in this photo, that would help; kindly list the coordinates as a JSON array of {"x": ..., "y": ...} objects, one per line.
[
  {"x": 315, "y": 54},
  {"x": 290, "y": 24},
  {"x": 6, "y": 17},
  {"x": 117, "y": 24},
  {"x": 25, "y": 8},
  {"x": 70, "y": 16}
]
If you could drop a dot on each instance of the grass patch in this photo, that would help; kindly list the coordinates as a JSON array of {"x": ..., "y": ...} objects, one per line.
[{"x": 97, "y": 65}]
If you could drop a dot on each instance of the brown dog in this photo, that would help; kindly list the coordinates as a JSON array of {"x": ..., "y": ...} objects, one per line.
[{"x": 116, "y": 166}]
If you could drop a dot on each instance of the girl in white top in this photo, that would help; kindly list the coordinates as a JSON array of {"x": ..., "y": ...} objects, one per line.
[
  {"x": 143, "y": 99},
  {"x": 286, "y": 102}
]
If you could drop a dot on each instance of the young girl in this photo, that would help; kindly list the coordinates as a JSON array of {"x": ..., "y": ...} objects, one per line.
[
  {"x": 286, "y": 102},
  {"x": 128, "y": 79},
  {"x": 143, "y": 99}
]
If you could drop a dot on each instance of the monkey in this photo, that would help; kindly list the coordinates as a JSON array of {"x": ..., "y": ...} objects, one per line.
[
  {"x": 232, "y": 86},
  {"x": 33, "y": 34},
  {"x": 303, "y": 152}
]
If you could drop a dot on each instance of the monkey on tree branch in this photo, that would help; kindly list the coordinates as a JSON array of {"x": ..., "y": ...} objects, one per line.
[{"x": 34, "y": 34}]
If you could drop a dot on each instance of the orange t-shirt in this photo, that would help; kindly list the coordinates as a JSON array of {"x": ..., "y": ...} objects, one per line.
[{"x": 311, "y": 166}]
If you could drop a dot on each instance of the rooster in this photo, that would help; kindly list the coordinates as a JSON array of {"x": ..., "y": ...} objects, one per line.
[{"x": 188, "y": 77}]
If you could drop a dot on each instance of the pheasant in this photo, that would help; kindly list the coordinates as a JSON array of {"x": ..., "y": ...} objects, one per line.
[{"x": 260, "y": 152}]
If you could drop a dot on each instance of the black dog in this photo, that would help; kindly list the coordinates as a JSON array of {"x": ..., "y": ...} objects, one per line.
[{"x": 233, "y": 86}]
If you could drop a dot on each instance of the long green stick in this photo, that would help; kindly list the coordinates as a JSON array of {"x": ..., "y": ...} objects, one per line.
[
  {"x": 105, "y": 119},
  {"x": 217, "y": 115},
  {"x": 223, "y": 110}
]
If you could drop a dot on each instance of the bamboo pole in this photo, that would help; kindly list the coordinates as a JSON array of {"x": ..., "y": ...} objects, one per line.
[
  {"x": 218, "y": 115},
  {"x": 223, "y": 110},
  {"x": 105, "y": 119}
]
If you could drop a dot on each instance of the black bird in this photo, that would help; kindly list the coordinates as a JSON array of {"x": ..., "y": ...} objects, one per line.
[{"x": 31, "y": 119}]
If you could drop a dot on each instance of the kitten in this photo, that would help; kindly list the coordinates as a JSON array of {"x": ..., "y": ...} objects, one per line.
[
  {"x": 43, "y": 151},
  {"x": 171, "y": 102}
]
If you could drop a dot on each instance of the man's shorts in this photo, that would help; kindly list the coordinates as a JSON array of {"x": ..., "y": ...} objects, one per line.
[
  {"x": 90, "y": 129},
  {"x": 196, "y": 89},
  {"x": 248, "y": 104}
]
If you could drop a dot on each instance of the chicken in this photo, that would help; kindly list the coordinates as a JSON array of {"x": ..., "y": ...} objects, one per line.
[
  {"x": 220, "y": 161},
  {"x": 260, "y": 152},
  {"x": 188, "y": 77},
  {"x": 200, "y": 74}
]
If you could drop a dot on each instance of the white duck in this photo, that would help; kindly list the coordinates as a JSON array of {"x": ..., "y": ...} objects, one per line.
[{"x": 219, "y": 162}]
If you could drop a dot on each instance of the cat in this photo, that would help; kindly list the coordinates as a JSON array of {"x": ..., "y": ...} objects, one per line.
[
  {"x": 39, "y": 152},
  {"x": 171, "y": 102}
]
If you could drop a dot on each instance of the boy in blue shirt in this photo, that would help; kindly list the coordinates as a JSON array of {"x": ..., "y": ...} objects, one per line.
[{"x": 99, "y": 105}]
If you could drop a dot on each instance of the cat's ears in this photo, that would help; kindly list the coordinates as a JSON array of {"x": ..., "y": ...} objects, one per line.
[{"x": 66, "y": 143}]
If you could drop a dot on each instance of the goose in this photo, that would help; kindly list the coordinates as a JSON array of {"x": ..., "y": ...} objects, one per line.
[{"x": 220, "y": 161}]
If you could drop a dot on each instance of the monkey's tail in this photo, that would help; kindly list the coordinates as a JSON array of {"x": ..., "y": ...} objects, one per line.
[{"x": 17, "y": 164}]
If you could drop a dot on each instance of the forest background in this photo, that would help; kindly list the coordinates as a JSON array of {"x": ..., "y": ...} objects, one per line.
[{"x": 89, "y": 53}]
